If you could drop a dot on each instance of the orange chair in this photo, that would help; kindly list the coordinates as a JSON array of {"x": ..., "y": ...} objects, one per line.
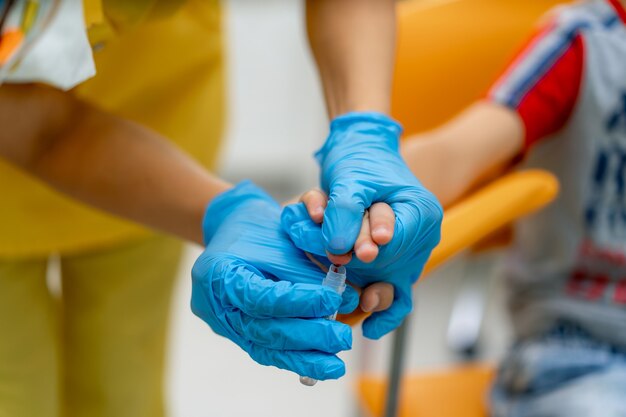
[
  {"x": 457, "y": 393},
  {"x": 449, "y": 52}
]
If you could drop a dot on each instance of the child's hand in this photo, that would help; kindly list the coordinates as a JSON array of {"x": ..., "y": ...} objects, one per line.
[
  {"x": 233, "y": 290},
  {"x": 376, "y": 229},
  {"x": 399, "y": 262}
]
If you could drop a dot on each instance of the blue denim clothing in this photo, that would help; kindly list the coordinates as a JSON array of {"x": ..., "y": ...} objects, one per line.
[{"x": 563, "y": 373}]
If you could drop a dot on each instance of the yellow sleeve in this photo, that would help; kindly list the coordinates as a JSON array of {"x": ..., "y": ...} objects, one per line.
[{"x": 166, "y": 73}]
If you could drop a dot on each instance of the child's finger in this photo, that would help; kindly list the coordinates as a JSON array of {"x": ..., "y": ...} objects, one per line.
[
  {"x": 339, "y": 259},
  {"x": 377, "y": 297},
  {"x": 315, "y": 201},
  {"x": 382, "y": 222},
  {"x": 364, "y": 247}
]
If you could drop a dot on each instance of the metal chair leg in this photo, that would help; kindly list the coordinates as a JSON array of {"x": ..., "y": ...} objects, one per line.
[
  {"x": 468, "y": 312},
  {"x": 396, "y": 369}
]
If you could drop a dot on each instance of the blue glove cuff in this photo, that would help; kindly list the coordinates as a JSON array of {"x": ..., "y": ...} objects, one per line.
[
  {"x": 345, "y": 120},
  {"x": 227, "y": 202},
  {"x": 384, "y": 128}
]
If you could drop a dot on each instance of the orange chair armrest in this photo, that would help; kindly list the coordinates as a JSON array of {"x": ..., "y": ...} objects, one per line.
[{"x": 483, "y": 213}]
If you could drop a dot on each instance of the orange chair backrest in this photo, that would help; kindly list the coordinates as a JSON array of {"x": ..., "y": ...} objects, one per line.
[{"x": 451, "y": 51}]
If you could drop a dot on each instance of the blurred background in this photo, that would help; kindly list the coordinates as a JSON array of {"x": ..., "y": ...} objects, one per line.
[
  {"x": 271, "y": 75},
  {"x": 449, "y": 53}
]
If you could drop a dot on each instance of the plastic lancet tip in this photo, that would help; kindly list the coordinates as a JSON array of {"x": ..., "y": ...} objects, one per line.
[{"x": 335, "y": 279}]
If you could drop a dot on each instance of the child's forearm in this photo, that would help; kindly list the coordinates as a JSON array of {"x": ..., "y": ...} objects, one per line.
[
  {"x": 105, "y": 161},
  {"x": 474, "y": 146}
]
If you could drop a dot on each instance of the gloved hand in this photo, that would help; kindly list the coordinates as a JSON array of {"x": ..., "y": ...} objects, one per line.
[
  {"x": 400, "y": 262},
  {"x": 253, "y": 286},
  {"x": 361, "y": 165}
]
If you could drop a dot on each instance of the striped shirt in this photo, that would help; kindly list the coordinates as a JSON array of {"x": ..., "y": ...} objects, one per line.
[{"x": 568, "y": 84}]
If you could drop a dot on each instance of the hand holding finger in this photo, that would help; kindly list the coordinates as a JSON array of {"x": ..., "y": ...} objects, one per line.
[
  {"x": 382, "y": 221},
  {"x": 365, "y": 248},
  {"x": 376, "y": 229}
]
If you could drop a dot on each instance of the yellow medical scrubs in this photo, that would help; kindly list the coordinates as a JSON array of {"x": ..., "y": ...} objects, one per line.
[{"x": 98, "y": 350}]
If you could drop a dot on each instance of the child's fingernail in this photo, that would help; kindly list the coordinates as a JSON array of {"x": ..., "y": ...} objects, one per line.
[
  {"x": 371, "y": 303},
  {"x": 368, "y": 246},
  {"x": 381, "y": 230}
]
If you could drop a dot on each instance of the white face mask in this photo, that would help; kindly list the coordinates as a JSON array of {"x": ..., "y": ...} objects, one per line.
[{"x": 55, "y": 51}]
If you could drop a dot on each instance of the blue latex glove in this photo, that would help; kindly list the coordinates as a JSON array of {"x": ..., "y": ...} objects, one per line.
[
  {"x": 361, "y": 165},
  {"x": 400, "y": 262},
  {"x": 253, "y": 286}
]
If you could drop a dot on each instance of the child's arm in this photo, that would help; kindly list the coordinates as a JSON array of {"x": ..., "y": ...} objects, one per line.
[
  {"x": 532, "y": 100},
  {"x": 103, "y": 160},
  {"x": 477, "y": 144},
  {"x": 472, "y": 147}
]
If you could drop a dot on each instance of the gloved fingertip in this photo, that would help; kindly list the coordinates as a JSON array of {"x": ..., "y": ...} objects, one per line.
[
  {"x": 339, "y": 245},
  {"x": 346, "y": 337},
  {"x": 350, "y": 301},
  {"x": 334, "y": 370},
  {"x": 331, "y": 301},
  {"x": 372, "y": 334},
  {"x": 374, "y": 330},
  {"x": 341, "y": 224}
]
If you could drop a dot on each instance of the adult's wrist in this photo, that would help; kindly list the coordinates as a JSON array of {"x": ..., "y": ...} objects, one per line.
[
  {"x": 356, "y": 128},
  {"x": 372, "y": 117},
  {"x": 227, "y": 203}
]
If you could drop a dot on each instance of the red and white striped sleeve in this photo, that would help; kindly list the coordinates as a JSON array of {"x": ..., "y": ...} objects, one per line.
[{"x": 543, "y": 82}]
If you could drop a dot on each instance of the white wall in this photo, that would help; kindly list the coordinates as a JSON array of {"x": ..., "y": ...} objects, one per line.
[{"x": 277, "y": 117}]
